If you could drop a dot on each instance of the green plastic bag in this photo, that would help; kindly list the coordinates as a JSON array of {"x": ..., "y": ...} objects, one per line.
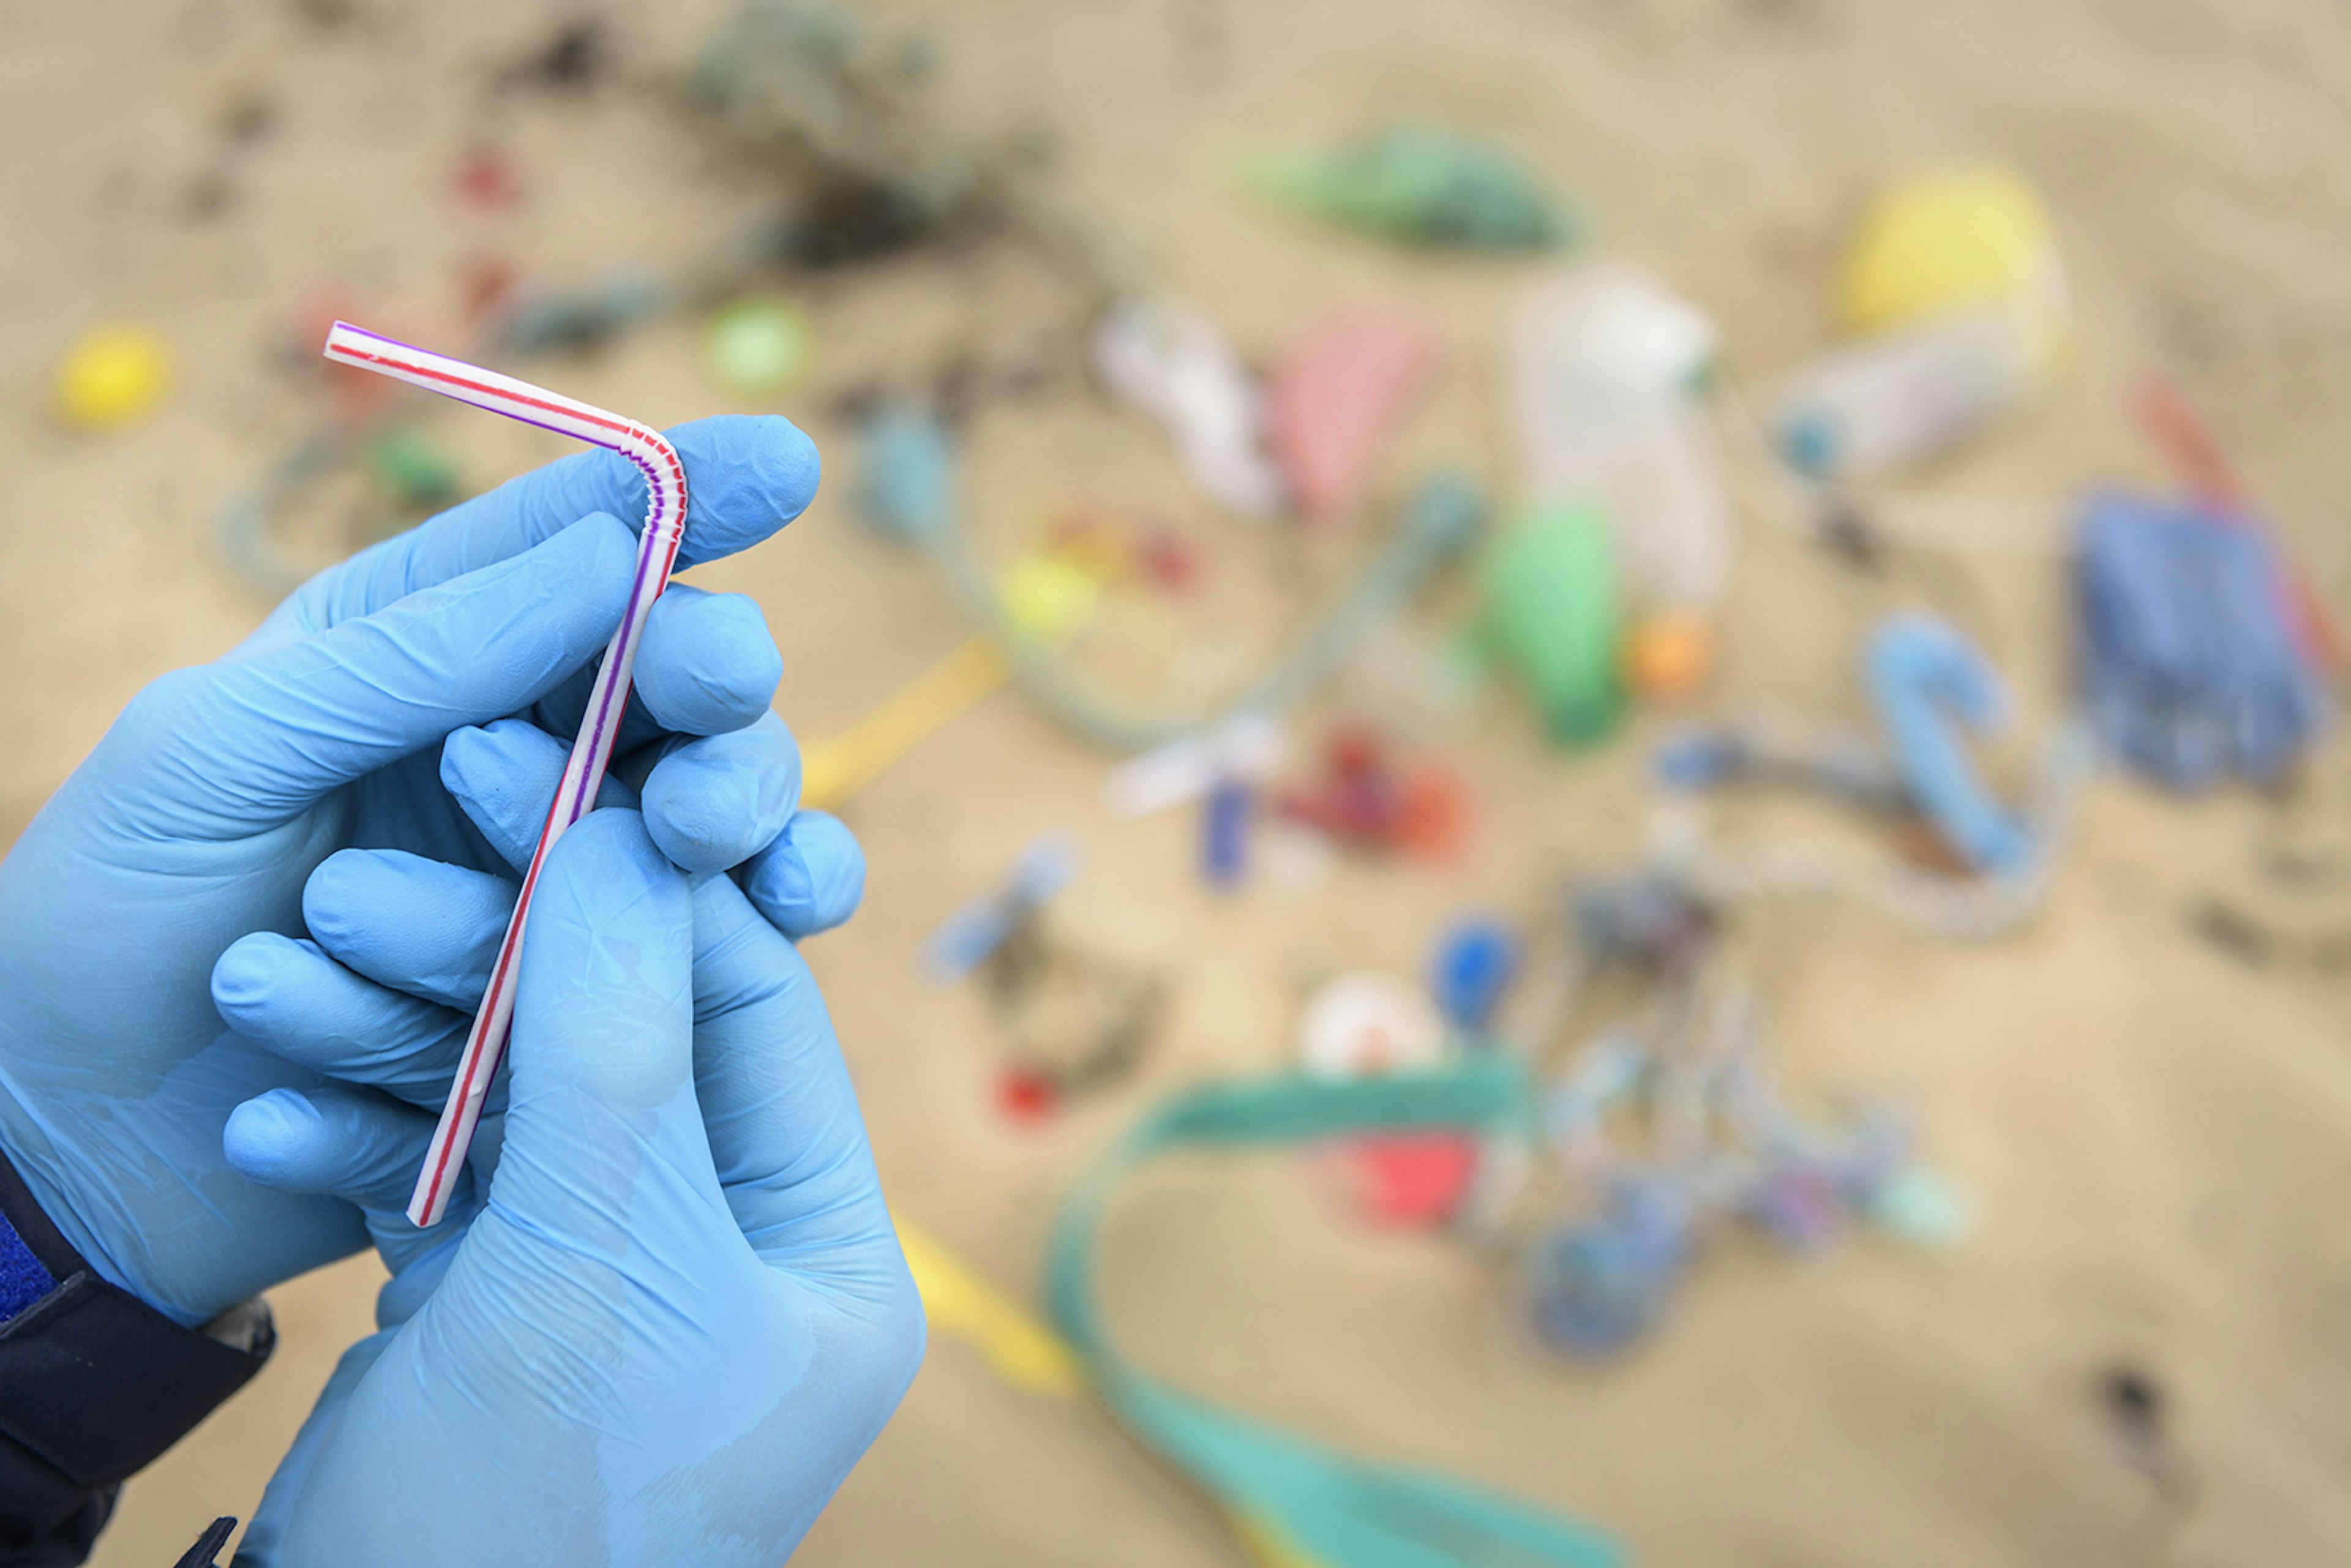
[{"x": 1420, "y": 185}]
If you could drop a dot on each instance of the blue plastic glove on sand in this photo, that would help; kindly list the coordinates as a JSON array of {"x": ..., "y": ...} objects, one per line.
[
  {"x": 200, "y": 815},
  {"x": 2188, "y": 665}
]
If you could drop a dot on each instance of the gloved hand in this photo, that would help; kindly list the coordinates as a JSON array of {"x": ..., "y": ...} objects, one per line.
[
  {"x": 203, "y": 811},
  {"x": 667, "y": 1312}
]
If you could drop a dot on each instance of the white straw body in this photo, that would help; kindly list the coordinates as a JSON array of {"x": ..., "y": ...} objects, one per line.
[{"x": 592, "y": 752}]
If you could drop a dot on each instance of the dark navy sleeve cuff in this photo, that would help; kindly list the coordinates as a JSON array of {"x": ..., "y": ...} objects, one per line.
[{"x": 94, "y": 1384}]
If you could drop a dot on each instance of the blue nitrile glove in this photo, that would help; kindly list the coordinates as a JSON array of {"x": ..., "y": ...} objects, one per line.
[
  {"x": 201, "y": 814},
  {"x": 674, "y": 1315},
  {"x": 2188, "y": 664}
]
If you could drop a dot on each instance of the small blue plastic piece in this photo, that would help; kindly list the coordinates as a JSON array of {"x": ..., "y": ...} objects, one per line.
[
  {"x": 1922, "y": 674},
  {"x": 1224, "y": 819},
  {"x": 1599, "y": 1285},
  {"x": 1697, "y": 759},
  {"x": 907, "y": 486},
  {"x": 1473, "y": 965},
  {"x": 972, "y": 934}
]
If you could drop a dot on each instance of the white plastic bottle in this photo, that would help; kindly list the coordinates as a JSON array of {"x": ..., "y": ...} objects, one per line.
[
  {"x": 1608, "y": 369},
  {"x": 1890, "y": 401}
]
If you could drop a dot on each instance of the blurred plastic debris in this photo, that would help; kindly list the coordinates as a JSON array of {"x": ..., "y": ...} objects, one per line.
[
  {"x": 1472, "y": 964},
  {"x": 1013, "y": 1343},
  {"x": 2172, "y": 424},
  {"x": 1549, "y": 584},
  {"x": 1333, "y": 400},
  {"x": 1440, "y": 519},
  {"x": 1847, "y": 763},
  {"x": 1225, "y": 820},
  {"x": 1674, "y": 1126},
  {"x": 1668, "y": 655},
  {"x": 1609, "y": 370},
  {"x": 1945, "y": 239},
  {"x": 1170, "y": 361},
  {"x": 1920, "y": 1208},
  {"x": 758, "y": 347},
  {"x": 1366, "y": 799},
  {"x": 907, "y": 484},
  {"x": 1926, "y": 681},
  {"x": 1365, "y": 1023},
  {"x": 573, "y": 59},
  {"x": 1070, "y": 1020},
  {"x": 981, "y": 929},
  {"x": 1119, "y": 549},
  {"x": 847, "y": 109},
  {"x": 542, "y": 320},
  {"x": 1247, "y": 746},
  {"x": 486, "y": 290},
  {"x": 415, "y": 472},
  {"x": 1647, "y": 918},
  {"x": 1415, "y": 183},
  {"x": 1407, "y": 1181},
  {"x": 835, "y": 768},
  {"x": 2189, "y": 666},
  {"x": 1296, "y": 1503},
  {"x": 906, "y": 479},
  {"x": 1888, "y": 402},
  {"x": 1047, "y": 598},
  {"x": 487, "y": 181},
  {"x": 1598, "y": 1285},
  {"x": 112, "y": 375},
  {"x": 1955, "y": 295}
]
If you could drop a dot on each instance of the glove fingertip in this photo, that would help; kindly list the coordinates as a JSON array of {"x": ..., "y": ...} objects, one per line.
[
  {"x": 746, "y": 476},
  {"x": 812, "y": 880},
  {"x": 707, "y": 665},
  {"x": 266, "y": 1138}
]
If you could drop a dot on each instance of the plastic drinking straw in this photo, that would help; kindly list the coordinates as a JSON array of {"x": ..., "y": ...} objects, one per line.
[{"x": 485, "y": 1046}]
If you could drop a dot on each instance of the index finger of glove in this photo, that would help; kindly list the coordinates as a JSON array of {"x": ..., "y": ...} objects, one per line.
[{"x": 746, "y": 476}]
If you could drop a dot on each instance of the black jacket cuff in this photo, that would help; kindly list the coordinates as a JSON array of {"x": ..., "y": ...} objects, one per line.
[{"x": 94, "y": 1384}]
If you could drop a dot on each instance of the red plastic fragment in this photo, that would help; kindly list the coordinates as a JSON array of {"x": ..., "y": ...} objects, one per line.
[
  {"x": 489, "y": 181},
  {"x": 1411, "y": 1180},
  {"x": 1027, "y": 1096}
]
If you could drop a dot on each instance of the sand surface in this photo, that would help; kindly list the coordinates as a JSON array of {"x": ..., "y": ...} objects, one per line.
[{"x": 2156, "y": 1136}]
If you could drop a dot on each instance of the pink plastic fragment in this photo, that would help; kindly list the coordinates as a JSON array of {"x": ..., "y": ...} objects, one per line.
[{"x": 1336, "y": 397}]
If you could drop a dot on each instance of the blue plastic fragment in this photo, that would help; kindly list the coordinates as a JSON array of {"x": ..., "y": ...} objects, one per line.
[
  {"x": 1472, "y": 968},
  {"x": 2186, "y": 657},
  {"x": 1922, "y": 673},
  {"x": 972, "y": 934},
  {"x": 1224, "y": 819},
  {"x": 1599, "y": 1285},
  {"x": 907, "y": 484}
]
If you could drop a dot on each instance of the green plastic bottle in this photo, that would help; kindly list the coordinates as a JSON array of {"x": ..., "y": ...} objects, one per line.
[{"x": 1550, "y": 612}]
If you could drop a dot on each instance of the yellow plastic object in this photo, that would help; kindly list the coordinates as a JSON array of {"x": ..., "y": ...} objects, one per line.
[
  {"x": 1951, "y": 237},
  {"x": 1048, "y": 598},
  {"x": 112, "y": 375},
  {"x": 1012, "y": 1341},
  {"x": 834, "y": 770}
]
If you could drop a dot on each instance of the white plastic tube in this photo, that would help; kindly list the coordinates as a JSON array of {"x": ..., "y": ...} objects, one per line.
[{"x": 592, "y": 752}]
